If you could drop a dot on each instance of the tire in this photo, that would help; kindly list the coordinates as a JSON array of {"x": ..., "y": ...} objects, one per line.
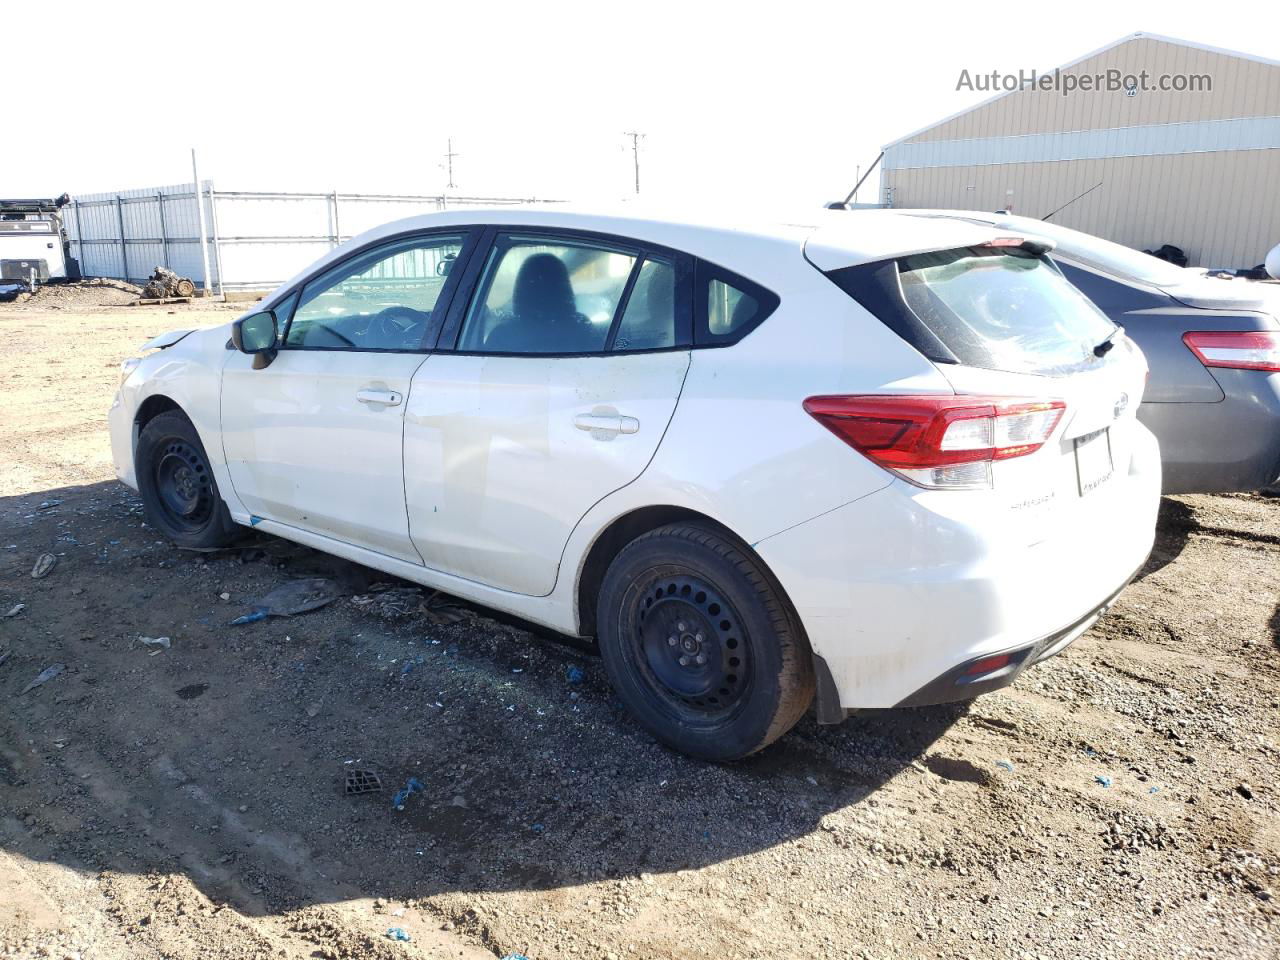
[
  {"x": 700, "y": 588},
  {"x": 179, "y": 493}
]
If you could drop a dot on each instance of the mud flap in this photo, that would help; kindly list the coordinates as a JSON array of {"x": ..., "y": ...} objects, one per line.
[{"x": 826, "y": 699}]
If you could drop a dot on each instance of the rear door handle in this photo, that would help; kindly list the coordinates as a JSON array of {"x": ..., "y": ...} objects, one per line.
[
  {"x": 386, "y": 397},
  {"x": 606, "y": 426}
]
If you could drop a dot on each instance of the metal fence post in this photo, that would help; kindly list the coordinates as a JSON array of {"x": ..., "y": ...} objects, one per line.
[
  {"x": 337, "y": 224},
  {"x": 217, "y": 240},
  {"x": 80, "y": 236},
  {"x": 164, "y": 229},
  {"x": 124, "y": 253}
]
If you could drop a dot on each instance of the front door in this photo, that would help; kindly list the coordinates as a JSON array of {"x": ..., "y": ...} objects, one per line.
[
  {"x": 567, "y": 369},
  {"x": 315, "y": 440}
]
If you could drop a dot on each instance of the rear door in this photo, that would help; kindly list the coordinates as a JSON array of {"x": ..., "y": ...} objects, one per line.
[
  {"x": 555, "y": 388},
  {"x": 1014, "y": 326},
  {"x": 999, "y": 319}
]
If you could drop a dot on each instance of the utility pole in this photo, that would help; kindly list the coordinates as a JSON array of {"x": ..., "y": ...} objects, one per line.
[
  {"x": 635, "y": 153},
  {"x": 204, "y": 235},
  {"x": 448, "y": 159}
]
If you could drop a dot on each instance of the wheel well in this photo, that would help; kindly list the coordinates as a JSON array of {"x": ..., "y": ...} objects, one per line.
[
  {"x": 610, "y": 543},
  {"x": 151, "y": 408}
]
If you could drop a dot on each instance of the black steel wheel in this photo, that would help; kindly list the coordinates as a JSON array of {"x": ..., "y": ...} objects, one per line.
[
  {"x": 692, "y": 648},
  {"x": 701, "y": 645},
  {"x": 179, "y": 492},
  {"x": 184, "y": 484}
]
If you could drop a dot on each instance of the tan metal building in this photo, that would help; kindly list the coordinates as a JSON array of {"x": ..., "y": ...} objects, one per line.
[{"x": 1196, "y": 167}]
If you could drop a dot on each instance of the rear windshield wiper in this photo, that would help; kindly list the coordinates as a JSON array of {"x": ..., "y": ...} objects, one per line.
[{"x": 1102, "y": 349}]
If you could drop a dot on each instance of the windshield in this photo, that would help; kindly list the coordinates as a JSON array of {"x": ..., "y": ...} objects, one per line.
[
  {"x": 1003, "y": 308},
  {"x": 1113, "y": 258}
]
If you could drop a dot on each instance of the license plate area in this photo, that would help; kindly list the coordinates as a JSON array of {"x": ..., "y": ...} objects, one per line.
[{"x": 1094, "y": 463}]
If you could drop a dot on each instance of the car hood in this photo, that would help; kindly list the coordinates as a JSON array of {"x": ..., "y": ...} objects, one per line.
[{"x": 165, "y": 340}]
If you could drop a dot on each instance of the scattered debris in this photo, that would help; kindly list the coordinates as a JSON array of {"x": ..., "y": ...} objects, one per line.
[
  {"x": 192, "y": 690},
  {"x": 290, "y": 599},
  {"x": 398, "y": 933},
  {"x": 47, "y": 674},
  {"x": 16, "y": 609},
  {"x": 515, "y": 956},
  {"x": 160, "y": 643},
  {"x": 44, "y": 566},
  {"x": 1005, "y": 765},
  {"x": 574, "y": 674},
  {"x": 5, "y": 656},
  {"x": 1103, "y": 779},
  {"x": 165, "y": 284},
  {"x": 49, "y": 504},
  {"x": 1244, "y": 790},
  {"x": 414, "y": 785},
  {"x": 362, "y": 781}
]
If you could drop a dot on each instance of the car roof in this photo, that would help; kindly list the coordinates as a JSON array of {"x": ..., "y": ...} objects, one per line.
[{"x": 739, "y": 237}]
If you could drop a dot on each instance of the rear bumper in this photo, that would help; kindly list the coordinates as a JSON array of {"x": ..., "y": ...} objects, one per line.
[
  {"x": 969, "y": 680},
  {"x": 904, "y": 588},
  {"x": 1228, "y": 446}
]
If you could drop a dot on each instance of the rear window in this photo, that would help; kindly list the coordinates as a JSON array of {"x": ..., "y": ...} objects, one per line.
[{"x": 998, "y": 308}]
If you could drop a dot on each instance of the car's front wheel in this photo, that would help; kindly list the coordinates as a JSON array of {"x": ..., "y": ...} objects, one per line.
[
  {"x": 700, "y": 645},
  {"x": 179, "y": 493}
]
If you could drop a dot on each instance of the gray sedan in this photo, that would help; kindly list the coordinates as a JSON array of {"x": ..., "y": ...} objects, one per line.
[{"x": 1213, "y": 345}]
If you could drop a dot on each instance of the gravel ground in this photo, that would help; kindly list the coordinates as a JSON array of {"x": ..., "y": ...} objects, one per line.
[{"x": 188, "y": 801}]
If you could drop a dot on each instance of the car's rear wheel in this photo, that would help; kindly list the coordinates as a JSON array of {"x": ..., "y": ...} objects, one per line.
[
  {"x": 700, "y": 645},
  {"x": 179, "y": 492}
]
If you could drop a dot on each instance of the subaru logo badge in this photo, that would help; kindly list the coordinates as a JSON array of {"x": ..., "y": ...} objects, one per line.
[{"x": 1122, "y": 404}]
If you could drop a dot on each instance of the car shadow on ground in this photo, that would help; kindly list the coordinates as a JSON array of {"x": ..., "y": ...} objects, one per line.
[
  {"x": 1174, "y": 526},
  {"x": 226, "y": 755}
]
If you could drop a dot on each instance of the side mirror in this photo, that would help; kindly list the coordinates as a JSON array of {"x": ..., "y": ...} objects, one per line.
[{"x": 256, "y": 333}]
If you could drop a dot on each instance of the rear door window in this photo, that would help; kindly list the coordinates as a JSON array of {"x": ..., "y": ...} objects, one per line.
[{"x": 543, "y": 296}]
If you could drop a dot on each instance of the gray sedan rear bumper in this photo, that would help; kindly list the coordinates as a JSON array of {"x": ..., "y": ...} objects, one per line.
[{"x": 1228, "y": 446}]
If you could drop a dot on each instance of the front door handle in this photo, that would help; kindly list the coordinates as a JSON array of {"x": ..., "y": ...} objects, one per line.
[
  {"x": 606, "y": 426},
  {"x": 386, "y": 397}
]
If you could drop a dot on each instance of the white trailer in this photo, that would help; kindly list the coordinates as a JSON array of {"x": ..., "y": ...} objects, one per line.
[{"x": 33, "y": 248}]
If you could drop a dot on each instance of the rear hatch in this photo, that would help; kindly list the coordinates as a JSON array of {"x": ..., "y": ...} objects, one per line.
[{"x": 1000, "y": 321}]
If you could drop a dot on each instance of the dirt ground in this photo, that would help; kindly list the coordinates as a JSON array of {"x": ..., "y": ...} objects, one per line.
[{"x": 188, "y": 802}]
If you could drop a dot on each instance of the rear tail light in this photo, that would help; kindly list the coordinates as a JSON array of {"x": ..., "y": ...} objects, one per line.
[
  {"x": 939, "y": 442},
  {"x": 1238, "y": 350}
]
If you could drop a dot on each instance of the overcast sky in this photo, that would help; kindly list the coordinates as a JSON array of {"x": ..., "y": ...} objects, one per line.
[{"x": 779, "y": 102}]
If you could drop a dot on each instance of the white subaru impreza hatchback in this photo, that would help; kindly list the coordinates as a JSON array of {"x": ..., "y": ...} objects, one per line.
[{"x": 867, "y": 461}]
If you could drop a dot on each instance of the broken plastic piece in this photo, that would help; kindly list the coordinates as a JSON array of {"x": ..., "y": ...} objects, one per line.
[
  {"x": 1005, "y": 765},
  {"x": 44, "y": 566},
  {"x": 398, "y": 933},
  {"x": 47, "y": 674},
  {"x": 297, "y": 596},
  {"x": 414, "y": 785},
  {"x": 1103, "y": 779},
  {"x": 575, "y": 674}
]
